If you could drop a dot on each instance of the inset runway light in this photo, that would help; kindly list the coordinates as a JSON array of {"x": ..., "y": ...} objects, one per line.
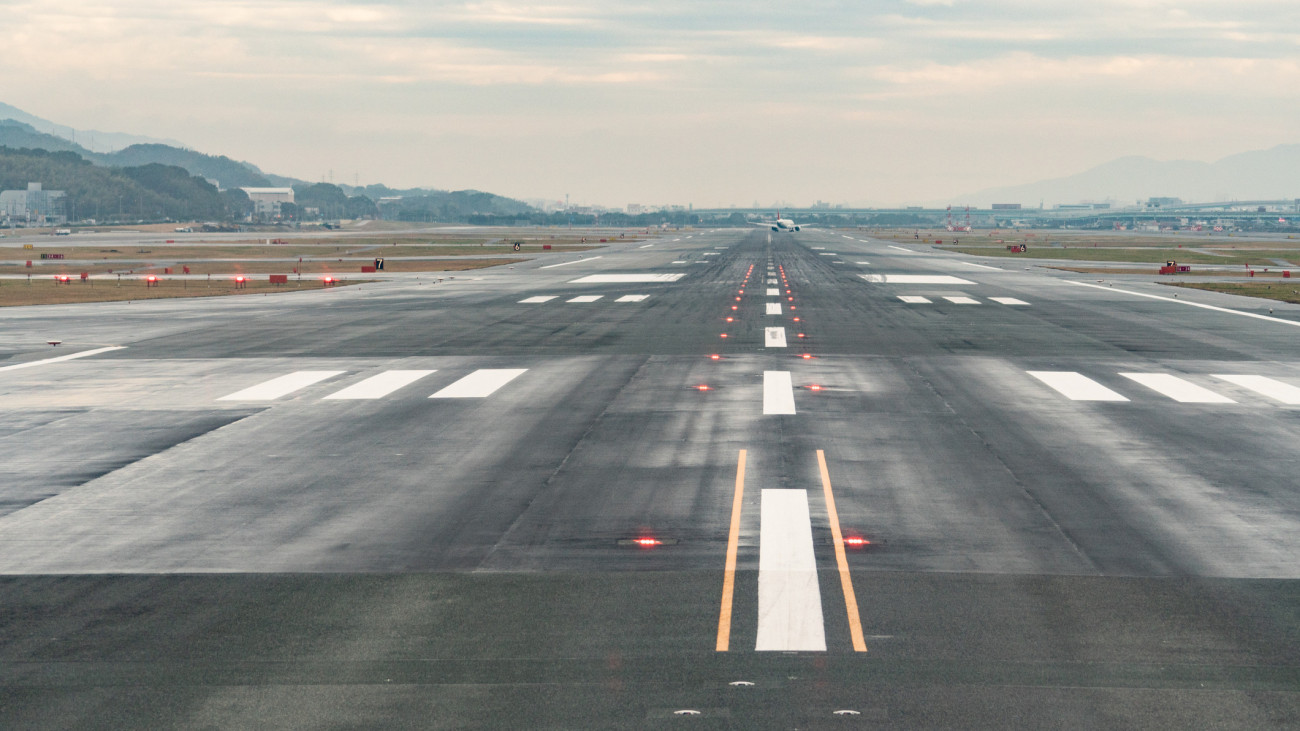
[
  {"x": 796, "y": 319},
  {"x": 734, "y": 307},
  {"x": 647, "y": 542},
  {"x": 806, "y": 356},
  {"x": 737, "y": 299},
  {"x": 715, "y": 356},
  {"x": 703, "y": 387},
  {"x": 723, "y": 335},
  {"x": 731, "y": 319},
  {"x": 814, "y": 387},
  {"x": 856, "y": 541},
  {"x": 800, "y": 334}
]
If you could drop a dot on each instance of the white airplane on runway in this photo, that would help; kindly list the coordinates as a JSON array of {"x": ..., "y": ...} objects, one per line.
[{"x": 780, "y": 224}]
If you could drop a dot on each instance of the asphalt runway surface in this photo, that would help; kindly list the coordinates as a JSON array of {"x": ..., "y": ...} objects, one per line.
[{"x": 907, "y": 489}]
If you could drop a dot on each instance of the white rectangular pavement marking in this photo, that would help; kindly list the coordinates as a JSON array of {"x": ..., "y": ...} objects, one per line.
[
  {"x": 379, "y": 385},
  {"x": 679, "y": 262},
  {"x": 789, "y": 598},
  {"x": 61, "y": 358},
  {"x": 901, "y": 249},
  {"x": 980, "y": 266},
  {"x": 863, "y": 263},
  {"x": 771, "y": 292},
  {"x": 827, "y": 253},
  {"x": 1178, "y": 389},
  {"x": 1276, "y": 390},
  {"x": 480, "y": 384},
  {"x": 773, "y": 308},
  {"x": 633, "y": 298},
  {"x": 566, "y": 263},
  {"x": 778, "y": 393},
  {"x": 1076, "y": 386},
  {"x": 625, "y": 278},
  {"x": 537, "y": 300},
  {"x": 586, "y": 298},
  {"x": 1008, "y": 301},
  {"x": 774, "y": 337},
  {"x": 914, "y": 279},
  {"x": 771, "y": 281},
  {"x": 645, "y": 247},
  {"x": 914, "y": 299},
  {"x": 282, "y": 386},
  {"x": 962, "y": 300}
]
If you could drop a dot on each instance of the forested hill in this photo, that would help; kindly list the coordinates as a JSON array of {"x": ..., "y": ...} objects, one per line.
[{"x": 149, "y": 192}]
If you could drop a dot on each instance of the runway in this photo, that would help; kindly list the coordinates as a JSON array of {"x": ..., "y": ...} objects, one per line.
[{"x": 729, "y": 479}]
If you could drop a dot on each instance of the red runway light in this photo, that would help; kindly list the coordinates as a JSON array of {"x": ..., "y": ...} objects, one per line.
[
  {"x": 723, "y": 335},
  {"x": 703, "y": 387},
  {"x": 790, "y": 298},
  {"x": 734, "y": 307},
  {"x": 731, "y": 319},
  {"x": 647, "y": 542},
  {"x": 742, "y": 291},
  {"x": 814, "y": 387},
  {"x": 806, "y": 356},
  {"x": 856, "y": 541},
  {"x": 715, "y": 356},
  {"x": 800, "y": 334},
  {"x": 796, "y": 319}
]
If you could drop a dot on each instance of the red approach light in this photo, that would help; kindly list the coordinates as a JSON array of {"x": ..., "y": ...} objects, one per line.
[
  {"x": 715, "y": 356},
  {"x": 734, "y": 307},
  {"x": 856, "y": 541},
  {"x": 731, "y": 319},
  {"x": 806, "y": 356},
  {"x": 329, "y": 279},
  {"x": 737, "y": 299},
  {"x": 647, "y": 542},
  {"x": 151, "y": 278},
  {"x": 239, "y": 279},
  {"x": 723, "y": 335},
  {"x": 800, "y": 334},
  {"x": 790, "y": 298},
  {"x": 796, "y": 319},
  {"x": 703, "y": 387},
  {"x": 742, "y": 291},
  {"x": 814, "y": 387}
]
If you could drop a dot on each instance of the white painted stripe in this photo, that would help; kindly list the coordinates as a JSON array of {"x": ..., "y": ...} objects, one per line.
[
  {"x": 828, "y": 254},
  {"x": 863, "y": 263},
  {"x": 962, "y": 300},
  {"x": 710, "y": 253},
  {"x": 980, "y": 266},
  {"x": 771, "y": 281},
  {"x": 566, "y": 263},
  {"x": 1008, "y": 301},
  {"x": 679, "y": 262},
  {"x": 61, "y": 358},
  {"x": 1277, "y": 390},
  {"x": 773, "y": 292},
  {"x": 480, "y": 384},
  {"x": 633, "y": 298},
  {"x": 282, "y": 386},
  {"x": 901, "y": 249},
  {"x": 538, "y": 299},
  {"x": 914, "y": 279},
  {"x": 1178, "y": 389},
  {"x": 778, "y": 393},
  {"x": 378, "y": 386},
  {"x": 1076, "y": 386},
  {"x": 774, "y": 337},
  {"x": 645, "y": 247},
  {"x": 773, "y": 308},
  {"x": 913, "y": 299},
  {"x": 586, "y": 298},
  {"x": 1295, "y": 323},
  {"x": 789, "y": 598},
  {"x": 818, "y": 248},
  {"x": 625, "y": 278}
]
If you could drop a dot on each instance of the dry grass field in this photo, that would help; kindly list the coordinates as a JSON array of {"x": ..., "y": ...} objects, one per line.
[{"x": 1284, "y": 292}]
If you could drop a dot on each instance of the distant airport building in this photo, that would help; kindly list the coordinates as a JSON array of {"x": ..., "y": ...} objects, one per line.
[
  {"x": 34, "y": 206},
  {"x": 267, "y": 201},
  {"x": 1006, "y": 206}
]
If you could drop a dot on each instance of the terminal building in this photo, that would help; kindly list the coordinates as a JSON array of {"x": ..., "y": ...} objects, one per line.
[
  {"x": 267, "y": 201},
  {"x": 34, "y": 206}
]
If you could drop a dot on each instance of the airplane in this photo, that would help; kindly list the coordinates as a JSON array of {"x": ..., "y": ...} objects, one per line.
[{"x": 780, "y": 224}]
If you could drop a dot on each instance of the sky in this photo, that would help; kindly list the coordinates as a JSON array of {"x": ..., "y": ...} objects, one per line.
[{"x": 713, "y": 104}]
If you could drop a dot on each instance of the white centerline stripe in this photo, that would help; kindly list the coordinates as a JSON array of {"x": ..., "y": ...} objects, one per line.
[
  {"x": 1277, "y": 390},
  {"x": 538, "y": 299},
  {"x": 1076, "y": 386},
  {"x": 827, "y": 253},
  {"x": 962, "y": 300},
  {"x": 1182, "y": 391},
  {"x": 566, "y": 263},
  {"x": 789, "y": 598},
  {"x": 863, "y": 263},
  {"x": 773, "y": 292},
  {"x": 61, "y": 358},
  {"x": 778, "y": 393},
  {"x": 773, "y": 308},
  {"x": 774, "y": 337},
  {"x": 586, "y": 298},
  {"x": 282, "y": 386},
  {"x": 632, "y": 298},
  {"x": 379, "y": 385},
  {"x": 1294, "y": 323},
  {"x": 914, "y": 299},
  {"x": 480, "y": 384},
  {"x": 1008, "y": 301}
]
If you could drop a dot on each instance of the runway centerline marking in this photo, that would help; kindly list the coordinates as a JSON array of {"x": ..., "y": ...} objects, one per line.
[
  {"x": 773, "y": 308},
  {"x": 1009, "y": 301},
  {"x": 1293, "y": 323},
  {"x": 633, "y": 298},
  {"x": 729, "y": 573},
  {"x": 841, "y": 560},
  {"x": 538, "y": 299},
  {"x": 61, "y": 358},
  {"x": 282, "y": 386},
  {"x": 378, "y": 386},
  {"x": 566, "y": 263},
  {"x": 1182, "y": 391},
  {"x": 481, "y": 383},
  {"x": 1277, "y": 390},
  {"x": 585, "y": 298},
  {"x": 789, "y": 598},
  {"x": 778, "y": 393},
  {"x": 774, "y": 337},
  {"x": 1076, "y": 386},
  {"x": 962, "y": 300},
  {"x": 773, "y": 292}
]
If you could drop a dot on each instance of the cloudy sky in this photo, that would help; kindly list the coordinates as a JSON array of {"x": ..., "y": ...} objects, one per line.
[{"x": 712, "y": 103}]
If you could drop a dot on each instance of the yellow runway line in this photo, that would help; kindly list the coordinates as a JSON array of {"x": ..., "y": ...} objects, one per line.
[
  {"x": 846, "y": 583},
  {"x": 729, "y": 578}
]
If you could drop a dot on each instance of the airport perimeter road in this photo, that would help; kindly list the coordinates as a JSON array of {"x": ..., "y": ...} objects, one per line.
[{"x": 730, "y": 479}]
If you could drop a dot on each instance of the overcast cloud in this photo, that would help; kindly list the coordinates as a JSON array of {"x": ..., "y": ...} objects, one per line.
[{"x": 669, "y": 102}]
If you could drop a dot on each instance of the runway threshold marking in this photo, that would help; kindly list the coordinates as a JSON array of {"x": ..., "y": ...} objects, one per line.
[
  {"x": 778, "y": 393},
  {"x": 282, "y": 386},
  {"x": 481, "y": 383},
  {"x": 729, "y": 573},
  {"x": 1009, "y": 301},
  {"x": 1182, "y": 391},
  {"x": 537, "y": 300},
  {"x": 1293, "y": 323},
  {"x": 566, "y": 263},
  {"x": 378, "y": 386},
  {"x": 914, "y": 299},
  {"x": 842, "y": 560},
  {"x": 789, "y": 597},
  {"x": 1076, "y": 386},
  {"x": 61, "y": 358},
  {"x": 962, "y": 300},
  {"x": 1276, "y": 390},
  {"x": 585, "y": 298},
  {"x": 633, "y": 298},
  {"x": 773, "y": 292}
]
